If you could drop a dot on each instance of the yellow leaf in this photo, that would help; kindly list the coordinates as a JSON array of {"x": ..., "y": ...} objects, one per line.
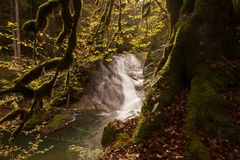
[{"x": 11, "y": 24}]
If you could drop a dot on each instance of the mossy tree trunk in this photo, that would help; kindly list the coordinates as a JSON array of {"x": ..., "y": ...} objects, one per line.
[
  {"x": 202, "y": 34},
  {"x": 60, "y": 64}
]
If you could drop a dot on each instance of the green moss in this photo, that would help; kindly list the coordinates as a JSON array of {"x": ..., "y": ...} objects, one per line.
[
  {"x": 109, "y": 134},
  {"x": 206, "y": 111},
  {"x": 214, "y": 78},
  {"x": 226, "y": 128},
  {"x": 185, "y": 62},
  {"x": 25, "y": 91},
  {"x": 54, "y": 110},
  {"x": 22, "y": 114},
  {"x": 57, "y": 122},
  {"x": 40, "y": 23},
  {"x": 147, "y": 124},
  {"x": 190, "y": 126},
  {"x": 196, "y": 150},
  {"x": 203, "y": 96}
]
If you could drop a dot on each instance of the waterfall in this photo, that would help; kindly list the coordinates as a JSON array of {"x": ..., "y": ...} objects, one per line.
[
  {"x": 132, "y": 102},
  {"x": 116, "y": 87}
]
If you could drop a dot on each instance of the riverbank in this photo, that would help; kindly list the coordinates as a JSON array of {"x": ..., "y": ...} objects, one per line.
[
  {"x": 114, "y": 90},
  {"x": 170, "y": 142}
]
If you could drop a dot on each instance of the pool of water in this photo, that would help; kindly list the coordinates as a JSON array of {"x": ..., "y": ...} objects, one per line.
[{"x": 86, "y": 132}]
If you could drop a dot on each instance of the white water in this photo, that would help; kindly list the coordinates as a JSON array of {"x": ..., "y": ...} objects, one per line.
[
  {"x": 116, "y": 87},
  {"x": 132, "y": 102}
]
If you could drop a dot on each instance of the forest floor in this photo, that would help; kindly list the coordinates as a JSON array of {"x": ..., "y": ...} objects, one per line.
[{"x": 170, "y": 143}]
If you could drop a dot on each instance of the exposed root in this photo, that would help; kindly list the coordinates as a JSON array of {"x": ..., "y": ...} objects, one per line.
[{"x": 206, "y": 113}]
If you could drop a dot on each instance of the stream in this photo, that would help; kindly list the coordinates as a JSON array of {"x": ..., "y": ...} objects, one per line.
[{"x": 115, "y": 92}]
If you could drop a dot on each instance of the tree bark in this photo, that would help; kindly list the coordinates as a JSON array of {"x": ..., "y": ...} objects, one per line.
[
  {"x": 202, "y": 34},
  {"x": 13, "y": 29},
  {"x": 18, "y": 30}
]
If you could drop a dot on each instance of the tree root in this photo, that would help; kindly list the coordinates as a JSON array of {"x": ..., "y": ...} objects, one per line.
[
  {"x": 206, "y": 109},
  {"x": 206, "y": 112}
]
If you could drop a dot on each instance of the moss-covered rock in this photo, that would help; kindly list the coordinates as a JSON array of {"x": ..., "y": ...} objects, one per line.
[
  {"x": 207, "y": 110},
  {"x": 59, "y": 121},
  {"x": 38, "y": 118},
  {"x": 109, "y": 134},
  {"x": 196, "y": 150}
]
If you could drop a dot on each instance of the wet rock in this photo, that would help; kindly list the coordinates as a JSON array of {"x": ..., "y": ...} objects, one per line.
[
  {"x": 58, "y": 122},
  {"x": 105, "y": 89}
]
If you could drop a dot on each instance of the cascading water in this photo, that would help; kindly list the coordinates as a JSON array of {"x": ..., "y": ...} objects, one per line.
[
  {"x": 132, "y": 102},
  {"x": 115, "y": 92},
  {"x": 116, "y": 86}
]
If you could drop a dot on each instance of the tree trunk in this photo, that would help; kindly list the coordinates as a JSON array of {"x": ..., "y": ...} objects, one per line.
[
  {"x": 18, "y": 55},
  {"x": 203, "y": 34},
  {"x": 13, "y": 29}
]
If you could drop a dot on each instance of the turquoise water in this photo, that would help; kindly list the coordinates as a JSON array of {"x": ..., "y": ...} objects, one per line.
[{"x": 86, "y": 132}]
